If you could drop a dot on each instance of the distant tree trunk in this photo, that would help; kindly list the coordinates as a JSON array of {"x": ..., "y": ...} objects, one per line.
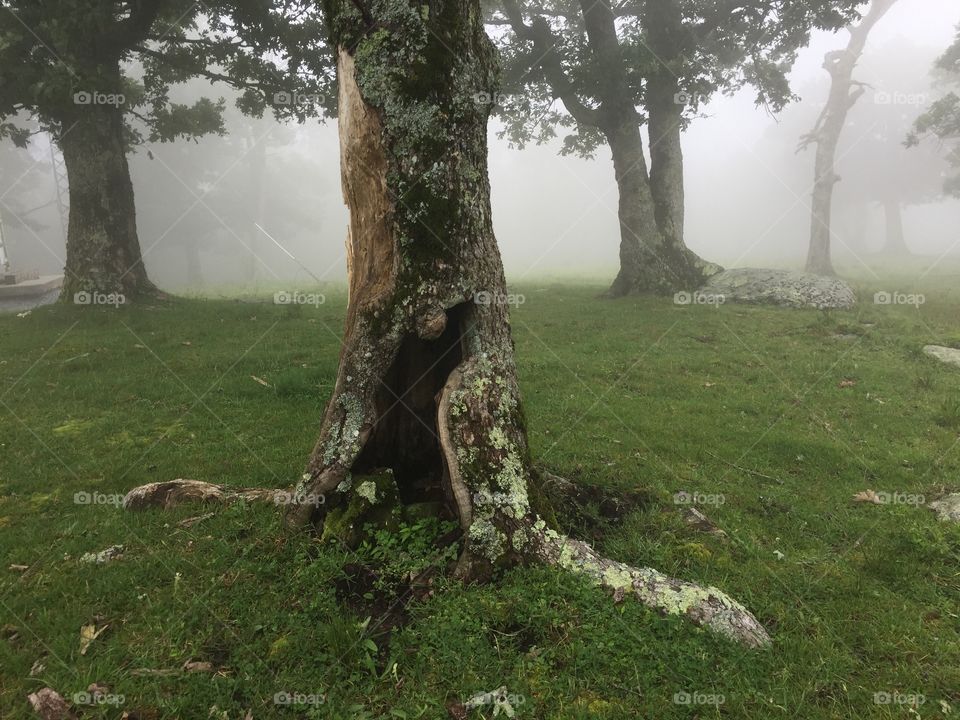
[
  {"x": 646, "y": 264},
  {"x": 844, "y": 94},
  {"x": 256, "y": 200},
  {"x": 896, "y": 243},
  {"x": 666, "y": 155},
  {"x": 194, "y": 265},
  {"x": 427, "y": 394},
  {"x": 103, "y": 250},
  {"x": 653, "y": 256},
  {"x": 650, "y": 260}
]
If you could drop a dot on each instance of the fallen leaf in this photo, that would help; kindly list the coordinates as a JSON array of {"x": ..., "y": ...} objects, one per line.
[
  {"x": 868, "y": 496},
  {"x": 847, "y": 383},
  {"x": 186, "y": 343},
  {"x": 197, "y": 666},
  {"x": 98, "y": 690},
  {"x": 19, "y": 568},
  {"x": 37, "y": 668},
  {"x": 89, "y": 633},
  {"x": 457, "y": 711},
  {"x": 50, "y": 705},
  {"x": 261, "y": 381}
]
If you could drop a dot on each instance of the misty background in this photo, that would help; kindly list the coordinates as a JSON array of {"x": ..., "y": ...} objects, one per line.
[{"x": 261, "y": 206}]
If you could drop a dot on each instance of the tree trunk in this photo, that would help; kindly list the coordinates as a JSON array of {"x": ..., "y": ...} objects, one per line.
[
  {"x": 896, "y": 244},
  {"x": 653, "y": 257},
  {"x": 645, "y": 262},
  {"x": 844, "y": 94},
  {"x": 665, "y": 105},
  {"x": 256, "y": 201},
  {"x": 191, "y": 252},
  {"x": 103, "y": 250},
  {"x": 427, "y": 394}
]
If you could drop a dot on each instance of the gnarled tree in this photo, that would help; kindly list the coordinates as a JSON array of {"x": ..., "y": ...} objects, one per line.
[
  {"x": 607, "y": 68},
  {"x": 426, "y": 392},
  {"x": 67, "y": 64},
  {"x": 844, "y": 94}
]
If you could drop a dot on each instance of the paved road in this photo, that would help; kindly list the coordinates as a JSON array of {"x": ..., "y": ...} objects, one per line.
[{"x": 19, "y": 305}]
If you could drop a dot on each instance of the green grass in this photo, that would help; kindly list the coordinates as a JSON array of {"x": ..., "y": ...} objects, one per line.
[{"x": 741, "y": 402}]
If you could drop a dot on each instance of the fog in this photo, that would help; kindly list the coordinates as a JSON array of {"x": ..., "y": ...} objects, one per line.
[{"x": 262, "y": 206}]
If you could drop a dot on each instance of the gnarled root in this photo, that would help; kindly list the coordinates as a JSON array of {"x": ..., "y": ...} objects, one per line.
[
  {"x": 166, "y": 495},
  {"x": 704, "y": 606}
]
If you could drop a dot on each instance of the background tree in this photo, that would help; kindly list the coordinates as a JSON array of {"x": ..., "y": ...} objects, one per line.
[
  {"x": 74, "y": 63},
  {"x": 605, "y": 69},
  {"x": 201, "y": 204},
  {"x": 426, "y": 404},
  {"x": 942, "y": 119},
  {"x": 876, "y": 167},
  {"x": 844, "y": 94},
  {"x": 27, "y": 206}
]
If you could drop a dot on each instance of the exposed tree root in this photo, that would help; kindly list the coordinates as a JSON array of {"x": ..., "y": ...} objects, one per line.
[
  {"x": 704, "y": 606},
  {"x": 170, "y": 494}
]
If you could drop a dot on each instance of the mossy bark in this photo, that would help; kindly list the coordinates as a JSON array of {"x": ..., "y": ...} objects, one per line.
[
  {"x": 103, "y": 249},
  {"x": 427, "y": 386}
]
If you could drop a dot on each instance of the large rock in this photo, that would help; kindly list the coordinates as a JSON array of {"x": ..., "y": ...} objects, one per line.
[
  {"x": 782, "y": 287},
  {"x": 945, "y": 354}
]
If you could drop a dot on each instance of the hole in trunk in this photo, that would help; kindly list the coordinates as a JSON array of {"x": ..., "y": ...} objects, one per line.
[{"x": 405, "y": 436}]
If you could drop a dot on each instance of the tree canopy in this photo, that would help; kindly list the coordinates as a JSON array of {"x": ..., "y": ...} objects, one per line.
[
  {"x": 719, "y": 46},
  {"x": 942, "y": 118},
  {"x": 67, "y": 54}
]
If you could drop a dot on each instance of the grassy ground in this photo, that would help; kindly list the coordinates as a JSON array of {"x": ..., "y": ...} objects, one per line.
[{"x": 781, "y": 415}]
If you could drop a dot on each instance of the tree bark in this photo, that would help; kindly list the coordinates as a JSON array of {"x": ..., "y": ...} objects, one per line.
[
  {"x": 896, "y": 243},
  {"x": 426, "y": 392},
  {"x": 844, "y": 94},
  {"x": 103, "y": 249},
  {"x": 653, "y": 255}
]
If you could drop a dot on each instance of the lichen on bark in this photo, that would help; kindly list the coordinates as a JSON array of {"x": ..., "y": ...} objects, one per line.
[{"x": 427, "y": 385}]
